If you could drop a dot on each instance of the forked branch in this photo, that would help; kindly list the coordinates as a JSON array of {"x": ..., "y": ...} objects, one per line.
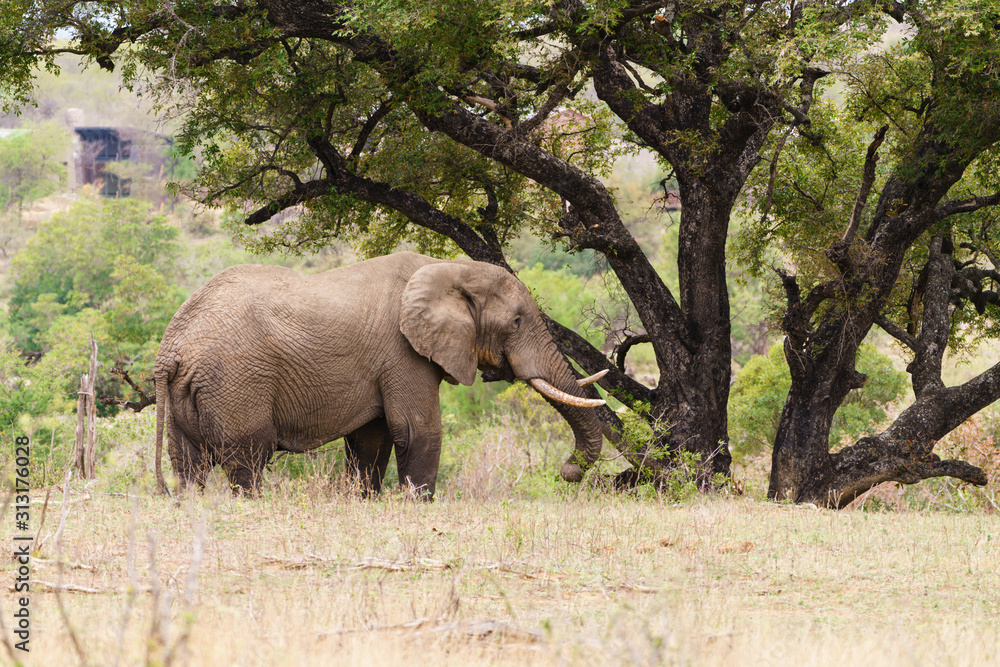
[
  {"x": 838, "y": 251},
  {"x": 896, "y": 332},
  {"x": 622, "y": 349},
  {"x": 135, "y": 406}
]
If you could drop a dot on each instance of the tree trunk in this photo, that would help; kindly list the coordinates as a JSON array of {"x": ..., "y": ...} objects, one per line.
[
  {"x": 80, "y": 451},
  {"x": 688, "y": 409},
  {"x": 91, "y": 448},
  {"x": 904, "y": 452},
  {"x": 804, "y": 470},
  {"x": 819, "y": 386}
]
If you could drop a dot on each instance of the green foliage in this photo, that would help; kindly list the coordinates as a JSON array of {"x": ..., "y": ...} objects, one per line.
[
  {"x": 24, "y": 389},
  {"x": 32, "y": 164},
  {"x": 638, "y": 429},
  {"x": 756, "y": 400},
  {"x": 326, "y": 463},
  {"x": 864, "y": 409},
  {"x": 70, "y": 263},
  {"x": 758, "y": 396},
  {"x": 936, "y": 85},
  {"x": 139, "y": 310},
  {"x": 816, "y": 186},
  {"x": 569, "y": 299},
  {"x": 17, "y": 62},
  {"x": 462, "y": 406},
  {"x": 124, "y": 457},
  {"x": 681, "y": 481}
]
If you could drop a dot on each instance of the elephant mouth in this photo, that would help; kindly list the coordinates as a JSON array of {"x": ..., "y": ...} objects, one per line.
[
  {"x": 496, "y": 375},
  {"x": 501, "y": 371}
]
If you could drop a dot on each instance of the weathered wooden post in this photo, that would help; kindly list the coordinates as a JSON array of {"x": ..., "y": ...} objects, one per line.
[
  {"x": 86, "y": 419},
  {"x": 81, "y": 426}
]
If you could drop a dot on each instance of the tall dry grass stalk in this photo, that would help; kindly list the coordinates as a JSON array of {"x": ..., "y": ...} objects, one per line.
[{"x": 493, "y": 466}]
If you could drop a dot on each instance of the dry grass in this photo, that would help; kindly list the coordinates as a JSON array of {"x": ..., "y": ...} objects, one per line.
[{"x": 309, "y": 577}]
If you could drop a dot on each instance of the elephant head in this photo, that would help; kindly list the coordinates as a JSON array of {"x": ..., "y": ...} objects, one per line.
[{"x": 469, "y": 315}]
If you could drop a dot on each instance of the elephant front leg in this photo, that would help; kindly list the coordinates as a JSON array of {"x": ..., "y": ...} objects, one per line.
[
  {"x": 413, "y": 412},
  {"x": 417, "y": 461},
  {"x": 368, "y": 450},
  {"x": 418, "y": 454}
]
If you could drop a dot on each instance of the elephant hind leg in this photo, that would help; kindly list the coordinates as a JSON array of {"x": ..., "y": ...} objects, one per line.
[
  {"x": 244, "y": 460},
  {"x": 368, "y": 450},
  {"x": 190, "y": 463}
]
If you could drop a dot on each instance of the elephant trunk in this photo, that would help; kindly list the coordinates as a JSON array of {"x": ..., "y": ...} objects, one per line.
[{"x": 553, "y": 371}]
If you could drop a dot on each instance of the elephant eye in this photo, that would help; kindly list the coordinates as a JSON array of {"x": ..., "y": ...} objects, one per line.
[{"x": 517, "y": 322}]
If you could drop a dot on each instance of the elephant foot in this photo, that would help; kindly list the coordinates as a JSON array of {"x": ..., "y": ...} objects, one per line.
[
  {"x": 244, "y": 482},
  {"x": 420, "y": 492},
  {"x": 571, "y": 472}
]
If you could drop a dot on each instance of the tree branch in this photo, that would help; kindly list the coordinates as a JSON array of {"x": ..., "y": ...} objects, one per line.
[
  {"x": 896, "y": 332},
  {"x": 935, "y": 324},
  {"x": 965, "y": 205},
  {"x": 591, "y": 218},
  {"x": 868, "y": 463},
  {"x": 769, "y": 195},
  {"x": 839, "y": 251},
  {"x": 622, "y": 349},
  {"x": 384, "y": 107},
  {"x": 298, "y": 195},
  {"x": 616, "y": 382},
  {"x": 904, "y": 452},
  {"x": 135, "y": 406}
]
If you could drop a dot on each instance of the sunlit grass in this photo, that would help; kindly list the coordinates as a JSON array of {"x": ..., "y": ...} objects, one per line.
[{"x": 311, "y": 574}]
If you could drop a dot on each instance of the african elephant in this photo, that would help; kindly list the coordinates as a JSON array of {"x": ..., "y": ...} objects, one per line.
[{"x": 262, "y": 358}]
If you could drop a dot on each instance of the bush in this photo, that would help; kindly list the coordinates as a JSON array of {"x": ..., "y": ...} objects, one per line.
[{"x": 103, "y": 269}]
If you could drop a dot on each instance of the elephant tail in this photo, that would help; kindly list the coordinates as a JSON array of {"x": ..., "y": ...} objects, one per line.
[{"x": 162, "y": 403}]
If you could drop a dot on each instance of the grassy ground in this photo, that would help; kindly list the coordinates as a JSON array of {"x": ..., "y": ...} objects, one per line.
[{"x": 309, "y": 575}]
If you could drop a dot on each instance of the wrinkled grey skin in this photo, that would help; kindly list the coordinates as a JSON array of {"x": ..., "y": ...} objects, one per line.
[{"x": 262, "y": 359}]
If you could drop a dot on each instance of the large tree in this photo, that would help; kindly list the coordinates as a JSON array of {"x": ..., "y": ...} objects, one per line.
[
  {"x": 465, "y": 123},
  {"x": 921, "y": 262}
]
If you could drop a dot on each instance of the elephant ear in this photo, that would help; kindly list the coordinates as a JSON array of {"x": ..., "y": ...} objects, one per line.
[{"x": 436, "y": 317}]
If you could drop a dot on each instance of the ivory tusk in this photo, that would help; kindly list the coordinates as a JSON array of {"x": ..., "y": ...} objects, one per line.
[
  {"x": 557, "y": 395},
  {"x": 583, "y": 382}
]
